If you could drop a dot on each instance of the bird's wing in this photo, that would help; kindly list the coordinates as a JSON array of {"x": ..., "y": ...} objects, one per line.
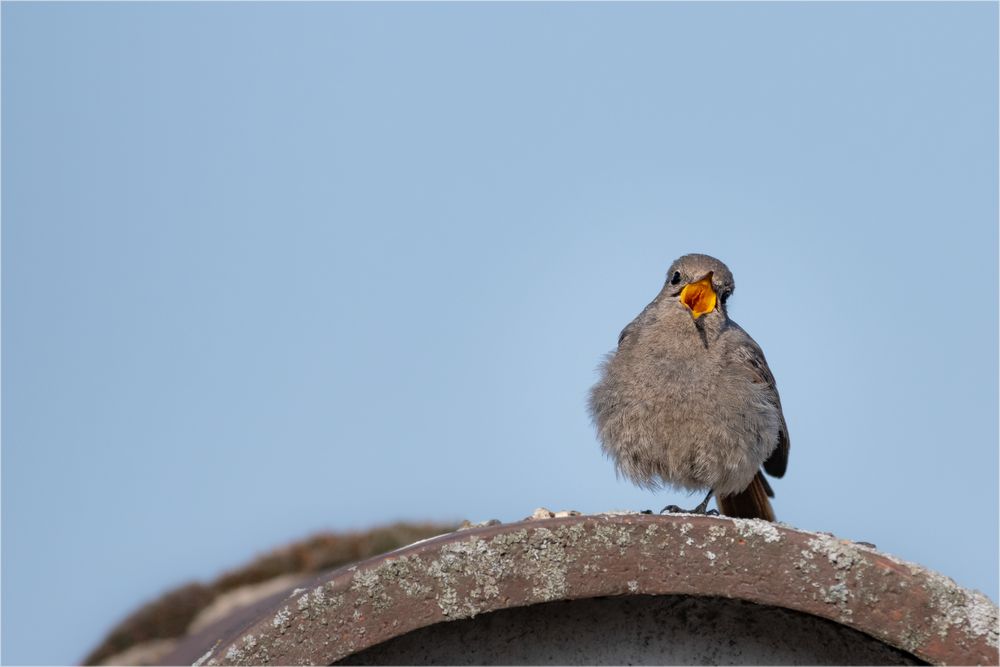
[
  {"x": 626, "y": 331},
  {"x": 751, "y": 357},
  {"x": 647, "y": 316}
]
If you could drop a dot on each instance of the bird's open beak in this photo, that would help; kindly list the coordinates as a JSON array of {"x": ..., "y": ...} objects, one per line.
[{"x": 699, "y": 297}]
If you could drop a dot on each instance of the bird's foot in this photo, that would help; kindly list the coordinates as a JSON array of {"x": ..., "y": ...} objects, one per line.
[
  {"x": 700, "y": 509},
  {"x": 674, "y": 509}
]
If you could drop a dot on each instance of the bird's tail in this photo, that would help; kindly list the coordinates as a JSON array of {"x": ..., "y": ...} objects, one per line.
[{"x": 751, "y": 502}]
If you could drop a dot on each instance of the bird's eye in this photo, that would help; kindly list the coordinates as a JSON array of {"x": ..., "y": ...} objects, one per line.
[{"x": 676, "y": 278}]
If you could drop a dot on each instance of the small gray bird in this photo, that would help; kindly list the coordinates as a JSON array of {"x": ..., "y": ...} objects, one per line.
[{"x": 687, "y": 399}]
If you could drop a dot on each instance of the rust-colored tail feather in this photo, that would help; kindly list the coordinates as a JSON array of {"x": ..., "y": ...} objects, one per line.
[{"x": 750, "y": 503}]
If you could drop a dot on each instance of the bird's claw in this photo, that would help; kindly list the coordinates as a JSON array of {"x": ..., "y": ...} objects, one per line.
[{"x": 674, "y": 509}]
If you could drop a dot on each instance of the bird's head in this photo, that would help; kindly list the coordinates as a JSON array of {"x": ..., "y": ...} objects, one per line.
[{"x": 701, "y": 283}]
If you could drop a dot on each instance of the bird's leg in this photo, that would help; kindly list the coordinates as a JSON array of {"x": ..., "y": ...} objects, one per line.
[{"x": 700, "y": 509}]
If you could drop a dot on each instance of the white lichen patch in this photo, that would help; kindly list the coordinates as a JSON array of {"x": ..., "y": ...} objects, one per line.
[
  {"x": 325, "y": 597},
  {"x": 479, "y": 566},
  {"x": 571, "y": 534},
  {"x": 203, "y": 659},
  {"x": 414, "y": 589},
  {"x": 843, "y": 555},
  {"x": 611, "y": 535},
  {"x": 982, "y": 619},
  {"x": 550, "y": 562},
  {"x": 716, "y": 532},
  {"x": 448, "y": 602},
  {"x": 807, "y": 562},
  {"x": 751, "y": 528},
  {"x": 846, "y": 560},
  {"x": 238, "y": 654},
  {"x": 378, "y": 583},
  {"x": 633, "y": 586},
  {"x": 365, "y": 579},
  {"x": 835, "y": 594},
  {"x": 281, "y": 619},
  {"x": 968, "y": 610},
  {"x": 709, "y": 555},
  {"x": 485, "y": 562},
  {"x": 369, "y": 583}
]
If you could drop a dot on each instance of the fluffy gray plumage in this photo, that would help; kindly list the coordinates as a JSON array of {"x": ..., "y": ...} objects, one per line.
[{"x": 689, "y": 402}]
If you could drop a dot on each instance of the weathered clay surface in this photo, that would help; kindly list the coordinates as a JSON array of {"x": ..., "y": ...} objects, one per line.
[{"x": 483, "y": 569}]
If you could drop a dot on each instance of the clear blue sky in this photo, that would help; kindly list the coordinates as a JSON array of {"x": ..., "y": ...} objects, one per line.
[{"x": 273, "y": 269}]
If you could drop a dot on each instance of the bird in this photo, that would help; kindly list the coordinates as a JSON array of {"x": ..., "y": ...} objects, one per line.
[{"x": 687, "y": 400}]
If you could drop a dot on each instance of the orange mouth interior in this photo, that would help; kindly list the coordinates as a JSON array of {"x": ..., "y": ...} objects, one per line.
[{"x": 699, "y": 297}]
